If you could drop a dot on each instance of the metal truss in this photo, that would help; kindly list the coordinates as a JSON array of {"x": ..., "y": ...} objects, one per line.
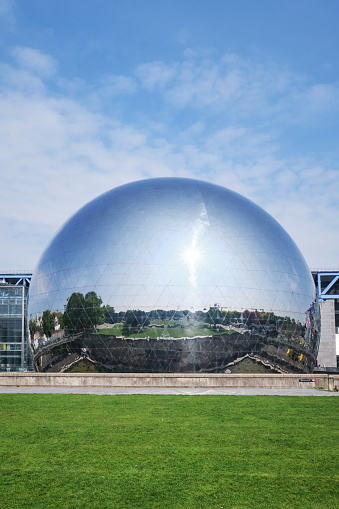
[
  {"x": 16, "y": 279},
  {"x": 326, "y": 285}
]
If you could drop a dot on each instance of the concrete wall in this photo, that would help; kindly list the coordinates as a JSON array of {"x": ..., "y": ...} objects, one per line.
[
  {"x": 327, "y": 347},
  {"x": 330, "y": 382}
]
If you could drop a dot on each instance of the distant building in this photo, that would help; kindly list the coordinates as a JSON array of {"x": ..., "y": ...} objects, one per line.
[
  {"x": 15, "y": 352},
  {"x": 327, "y": 283}
]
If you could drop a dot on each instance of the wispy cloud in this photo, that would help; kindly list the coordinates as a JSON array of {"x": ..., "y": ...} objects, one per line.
[
  {"x": 240, "y": 91},
  {"x": 41, "y": 64},
  {"x": 7, "y": 11},
  {"x": 228, "y": 82},
  {"x": 211, "y": 119},
  {"x": 155, "y": 74}
]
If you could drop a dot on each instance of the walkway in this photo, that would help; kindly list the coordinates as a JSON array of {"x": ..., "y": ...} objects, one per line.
[{"x": 169, "y": 391}]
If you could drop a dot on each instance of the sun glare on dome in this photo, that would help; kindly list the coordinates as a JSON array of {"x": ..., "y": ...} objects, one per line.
[{"x": 192, "y": 255}]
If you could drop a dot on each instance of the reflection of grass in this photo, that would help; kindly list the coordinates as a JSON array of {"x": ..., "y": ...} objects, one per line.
[
  {"x": 84, "y": 367},
  {"x": 249, "y": 366},
  {"x": 177, "y": 323},
  {"x": 168, "y": 451},
  {"x": 196, "y": 329},
  {"x": 114, "y": 330}
]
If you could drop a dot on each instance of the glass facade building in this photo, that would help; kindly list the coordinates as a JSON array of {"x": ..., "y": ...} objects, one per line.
[
  {"x": 174, "y": 275},
  {"x": 14, "y": 344}
]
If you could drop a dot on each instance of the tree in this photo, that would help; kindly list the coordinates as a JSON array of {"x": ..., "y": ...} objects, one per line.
[
  {"x": 32, "y": 327},
  {"x": 130, "y": 318},
  {"x": 83, "y": 312},
  {"x": 47, "y": 323},
  {"x": 60, "y": 318},
  {"x": 136, "y": 318},
  {"x": 94, "y": 312},
  {"x": 213, "y": 315},
  {"x": 74, "y": 315},
  {"x": 109, "y": 314}
]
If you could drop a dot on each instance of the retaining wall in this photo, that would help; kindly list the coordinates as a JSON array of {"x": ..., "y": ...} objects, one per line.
[{"x": 297, "y": 381}]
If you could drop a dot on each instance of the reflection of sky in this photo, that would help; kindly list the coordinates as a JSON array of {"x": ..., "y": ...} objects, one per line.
[{"x": 174, "y": 244}]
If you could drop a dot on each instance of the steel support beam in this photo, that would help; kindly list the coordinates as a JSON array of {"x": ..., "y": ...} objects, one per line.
[{"x": 324, "y": 294}]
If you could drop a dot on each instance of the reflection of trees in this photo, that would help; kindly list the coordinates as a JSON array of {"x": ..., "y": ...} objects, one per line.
[
  {"x": 213, "y": 315},
  {"x": 32, "y": 327},
  {"x": 137, "y": 318},
  {"x": 94, "y": 311},
  {"x": 48, "y": 323},
  {"x": 58, "y": 319},
  {"x": 252, "y": 319},
  {"x": 109, "y": 314},
  {"x": 87, "y": 311},
  {"x": 83, "y": 311},
  {"x": 74, "y": 315},
  {"x": 167, "y": 314}
]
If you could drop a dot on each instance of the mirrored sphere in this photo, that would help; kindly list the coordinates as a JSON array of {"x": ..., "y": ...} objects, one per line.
[{"x": 172, "y": 245}]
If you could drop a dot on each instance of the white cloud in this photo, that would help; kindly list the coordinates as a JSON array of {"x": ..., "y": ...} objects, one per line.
[
  {"x": 231, "y": 82},
  {"x": 244, "y": 92},
  {"x": 30, "y": 72},
  {"x": 21, "y": 79},
  {"x": 116, "y": 85},
  {"x": 155, "y": 74},
  {"x": 57, "y": 153},
  {"x": 39, "y": 63},
  {"x": 323, "y": 96}
]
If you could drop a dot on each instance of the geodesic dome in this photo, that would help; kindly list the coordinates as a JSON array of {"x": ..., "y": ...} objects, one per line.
[{"x": 175, "y": 250}]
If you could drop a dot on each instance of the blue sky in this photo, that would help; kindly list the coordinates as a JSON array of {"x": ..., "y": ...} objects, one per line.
[{"x": 241, "y": 93}]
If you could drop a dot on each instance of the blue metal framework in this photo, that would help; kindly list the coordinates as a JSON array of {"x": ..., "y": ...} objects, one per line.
[
  {"x": 329, "y": 279},
  {"x": 14, "y": 336},
  {"x": 16, "y": 278}
]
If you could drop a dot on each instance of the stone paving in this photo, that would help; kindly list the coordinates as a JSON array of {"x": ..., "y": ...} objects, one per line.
[{"x": 170, "y": 391}]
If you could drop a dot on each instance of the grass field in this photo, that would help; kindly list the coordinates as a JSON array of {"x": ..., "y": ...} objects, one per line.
[
  {"x": 192, "y": 329},
  {"x": 79, "y": 451}
]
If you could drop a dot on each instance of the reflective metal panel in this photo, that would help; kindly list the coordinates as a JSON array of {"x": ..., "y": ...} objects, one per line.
[{"x": 170, "y": 245}]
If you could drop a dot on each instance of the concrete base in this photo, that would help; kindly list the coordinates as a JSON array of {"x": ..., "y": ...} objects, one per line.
[{"x": 177, "y": 380}]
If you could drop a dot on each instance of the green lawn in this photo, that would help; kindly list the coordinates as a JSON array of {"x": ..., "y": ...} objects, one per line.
[
  {"x": 191, "y": 330},
  {"x": 87, "y": 451}
]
